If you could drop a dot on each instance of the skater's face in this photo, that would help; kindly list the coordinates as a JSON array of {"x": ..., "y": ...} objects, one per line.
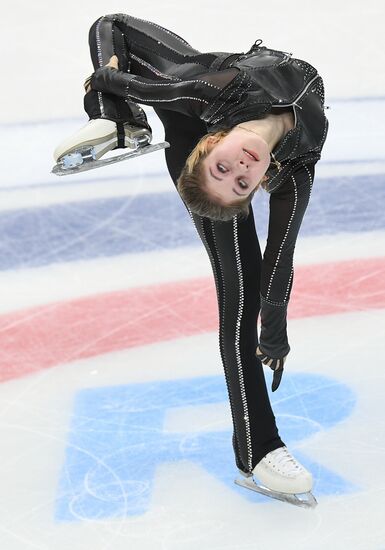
[{"x": 235, "y": 165}]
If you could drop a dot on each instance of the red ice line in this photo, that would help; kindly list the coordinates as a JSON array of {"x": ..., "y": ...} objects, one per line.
[{"x": 42, "y": 337}]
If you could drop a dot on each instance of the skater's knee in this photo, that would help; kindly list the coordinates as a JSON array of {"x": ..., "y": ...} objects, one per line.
[
  {"x": 93, "y": 26},
  {"x": 108, "y": 17}
]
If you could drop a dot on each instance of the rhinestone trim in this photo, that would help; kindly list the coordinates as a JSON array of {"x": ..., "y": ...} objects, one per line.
[
  {"x": 237, "y": 348},
  {"x": 284, "y": 238},
  {"x": 100, "y": 59},
  {"x": 152, "y": 68}
]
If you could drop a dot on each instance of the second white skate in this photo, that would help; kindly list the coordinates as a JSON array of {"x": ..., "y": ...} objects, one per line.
[{"x": 280, "y": 476}]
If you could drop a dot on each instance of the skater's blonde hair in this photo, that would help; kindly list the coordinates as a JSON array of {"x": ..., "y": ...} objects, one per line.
[{"x": 191, "y": 184}]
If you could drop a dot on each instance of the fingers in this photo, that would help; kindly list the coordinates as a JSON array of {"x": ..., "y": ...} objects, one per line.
[
  {"x": 87, "y": 85},
  {"x": 272, "y": 363},
  {"x": 262, "y": 356},
  {"x": 277, "y": 379},
  {"x": 275, "y": 364}
]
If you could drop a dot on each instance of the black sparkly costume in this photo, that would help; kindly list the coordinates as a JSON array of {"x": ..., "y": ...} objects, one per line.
[{"x": 193, "y": 93}]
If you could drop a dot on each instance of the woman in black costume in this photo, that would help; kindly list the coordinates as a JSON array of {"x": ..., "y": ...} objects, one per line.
[{"x": 234, "y": 121}]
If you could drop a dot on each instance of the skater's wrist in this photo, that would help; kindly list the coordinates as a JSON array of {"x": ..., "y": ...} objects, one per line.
[
  {"x": 269, "y": 357},
  {"x": 110, "y": 80}
]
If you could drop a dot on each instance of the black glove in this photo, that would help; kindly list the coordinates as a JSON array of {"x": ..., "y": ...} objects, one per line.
[{"x": 275, "y": 364}]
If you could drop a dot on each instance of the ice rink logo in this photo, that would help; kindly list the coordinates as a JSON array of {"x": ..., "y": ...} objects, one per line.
[{"x": 118, "y": 439}]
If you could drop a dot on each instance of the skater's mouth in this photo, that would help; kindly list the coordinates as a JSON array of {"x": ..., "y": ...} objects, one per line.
[{"x": 251, "y": 155}]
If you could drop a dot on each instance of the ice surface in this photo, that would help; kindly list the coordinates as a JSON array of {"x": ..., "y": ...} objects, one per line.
[{"x": 114, "y": 420}]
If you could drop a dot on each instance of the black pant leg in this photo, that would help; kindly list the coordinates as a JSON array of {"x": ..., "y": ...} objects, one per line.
[
  {"x": 150, "y": 46},
  {"x": 235, "y": 256},
  {"x": 105, "y": 40},
  {"x": 143, "y": 48}
]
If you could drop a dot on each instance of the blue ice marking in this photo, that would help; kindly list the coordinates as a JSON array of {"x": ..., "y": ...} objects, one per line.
[
  {"x": 117, "y": 440},
  {"x": 110, "y": 227}
]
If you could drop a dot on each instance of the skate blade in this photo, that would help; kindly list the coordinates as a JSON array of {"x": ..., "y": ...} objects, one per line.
[
  {"x": 304, "y": 500},
  {"x": 80, "y": 161}
]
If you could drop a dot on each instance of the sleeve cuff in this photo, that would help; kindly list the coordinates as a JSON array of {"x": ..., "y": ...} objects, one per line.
[{"x": 273, "y": 337}]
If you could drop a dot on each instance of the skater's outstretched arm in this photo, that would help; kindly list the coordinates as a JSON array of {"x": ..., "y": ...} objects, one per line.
[
  {"x": 190, "y": 97},
  {"x": 287, "y": 208}
]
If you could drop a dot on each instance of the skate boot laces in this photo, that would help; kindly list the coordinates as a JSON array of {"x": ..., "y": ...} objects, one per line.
[{"x": 281, "y": 459}]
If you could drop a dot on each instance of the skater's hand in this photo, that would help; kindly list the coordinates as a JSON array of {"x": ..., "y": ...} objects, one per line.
[
  {"x": 112, "y": 64},
  {"x": 87, "y": 83},
  {"x": 275, "y": 364}
]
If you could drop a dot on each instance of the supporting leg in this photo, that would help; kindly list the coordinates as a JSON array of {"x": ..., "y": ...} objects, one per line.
[{"x": 235, "y": 256}]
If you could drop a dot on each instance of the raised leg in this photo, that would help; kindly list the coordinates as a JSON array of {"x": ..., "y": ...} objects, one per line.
[{"x": 143, "y": 48}]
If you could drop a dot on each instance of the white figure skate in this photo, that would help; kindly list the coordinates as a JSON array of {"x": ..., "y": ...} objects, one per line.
[
  {"x": 82, "y": 150},
  {"x": 282, "y": 477}
]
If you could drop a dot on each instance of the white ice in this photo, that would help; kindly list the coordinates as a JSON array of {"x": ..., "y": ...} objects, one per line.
[{"x": 44, "y": 67}]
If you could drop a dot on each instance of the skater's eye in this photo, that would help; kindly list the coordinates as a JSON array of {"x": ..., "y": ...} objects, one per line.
[
  {"x": 243, "y": 184},
  {"x": 221, "y": 168}
]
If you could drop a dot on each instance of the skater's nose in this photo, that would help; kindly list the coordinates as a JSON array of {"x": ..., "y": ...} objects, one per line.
[{"x": 244, "y": 164}]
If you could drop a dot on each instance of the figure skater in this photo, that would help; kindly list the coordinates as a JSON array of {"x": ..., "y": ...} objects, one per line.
[{"x": 235, "y": 122}]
